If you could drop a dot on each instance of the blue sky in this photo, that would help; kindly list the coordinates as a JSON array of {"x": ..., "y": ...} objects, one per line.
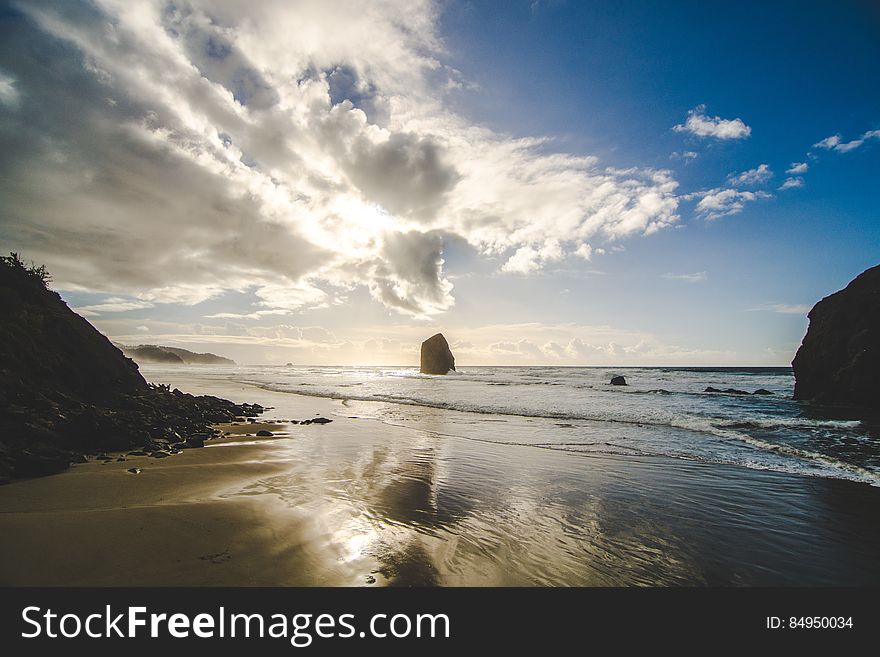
[{"x": 547, "y": 182}]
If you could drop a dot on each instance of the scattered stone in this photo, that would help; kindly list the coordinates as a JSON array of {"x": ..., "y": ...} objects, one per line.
[
  {"x": 728, "y": 391},
  {"x": 192, "y": 443},
  {"x": 370, "y": 579},
  {"x": 762, "y": 391},
  {"x": 320, "y": 420},
  {"x": 138, "y": 452},
  {"x": 618, "y": 381},
  {"x": 265, "y": 434},
  {"x": 160, "y": 455},
  {"x": 134, "y": 470}
]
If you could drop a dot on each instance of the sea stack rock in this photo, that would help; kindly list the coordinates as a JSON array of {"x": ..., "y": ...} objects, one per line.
[
  {"x": 839, "y": 360},
  {"x": 618, "y": 381},
  {"x": 436, "y": 356}
]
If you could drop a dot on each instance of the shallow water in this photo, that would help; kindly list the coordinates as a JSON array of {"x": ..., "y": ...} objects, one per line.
[
  {"x": 410, "y": 494},
  {"x": 661, "y": 412}
]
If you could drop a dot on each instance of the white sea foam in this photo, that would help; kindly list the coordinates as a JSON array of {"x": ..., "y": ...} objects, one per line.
[{"x": 662, "y": 412}]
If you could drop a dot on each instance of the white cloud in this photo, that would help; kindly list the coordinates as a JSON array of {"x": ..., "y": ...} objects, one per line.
[
  {"x": 112, "y": 305},
  {"x": 586, "y": 251},
  {"x": 792, "y": 183},
  {"x": 797, "y": 168},
  {"x": 836, "y": 143},
  {"x": 701, "y": 125},
  {"x": 828, "y": 143},
  {"x": 696, "y": 277},
  {"x": 718, "y": 202},
  {"x": 785, "y": 309},
  {"x": 687, "y": 156},
  {"x": 756, "y": 176},
  {"x": 9, "y": 95},
  {"x": 528, "y": 259},
  {"x": 297, "y": 149}
]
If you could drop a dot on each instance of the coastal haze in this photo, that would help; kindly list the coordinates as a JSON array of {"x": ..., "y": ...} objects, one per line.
[{"x": 424, "y": 293}]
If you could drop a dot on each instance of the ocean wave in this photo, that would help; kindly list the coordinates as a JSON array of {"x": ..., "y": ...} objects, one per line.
[{"x": 747, "y": 432}]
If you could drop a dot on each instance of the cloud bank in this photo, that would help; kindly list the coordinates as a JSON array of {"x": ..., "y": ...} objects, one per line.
[{"x": 181, "y": 150}]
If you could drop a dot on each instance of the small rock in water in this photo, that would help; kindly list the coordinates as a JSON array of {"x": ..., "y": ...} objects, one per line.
[
  {"x": 762, "y": 391},
  {"x": 160, "y": 455},
  {"x": 265, "y": 433},
  {"x": 134, "y": 470},
  {"x": 618, "y": 381},
  {"x": 729, "y": 391},
  {"x": 320, "y": 420},
  {"x": 370, "y": 579}
]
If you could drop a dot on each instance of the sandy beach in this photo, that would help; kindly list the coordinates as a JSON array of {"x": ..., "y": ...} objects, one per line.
[{"x": 362, "y": 502}]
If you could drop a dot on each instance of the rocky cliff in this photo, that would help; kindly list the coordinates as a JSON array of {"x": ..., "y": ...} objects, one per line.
[
  {"x": 65, "y": 390},
  {"x": 839, "y": 360},
  {"x": 436, "y": 357}
]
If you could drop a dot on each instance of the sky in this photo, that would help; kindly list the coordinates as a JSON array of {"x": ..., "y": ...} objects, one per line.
[{"x": 545, "y": 182}]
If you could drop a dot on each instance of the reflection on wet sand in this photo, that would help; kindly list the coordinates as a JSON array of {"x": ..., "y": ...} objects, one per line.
[{"x": 404, "y": 507}]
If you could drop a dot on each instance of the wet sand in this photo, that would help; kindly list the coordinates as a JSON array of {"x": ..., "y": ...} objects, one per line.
[{"x": 360, "y": 502}]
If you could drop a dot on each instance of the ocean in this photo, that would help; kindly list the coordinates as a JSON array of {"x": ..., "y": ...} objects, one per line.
[{"x": 663, "y": 411}]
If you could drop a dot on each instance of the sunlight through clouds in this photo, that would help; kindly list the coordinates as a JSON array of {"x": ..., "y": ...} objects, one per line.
[{"x": 274, "y": 146}]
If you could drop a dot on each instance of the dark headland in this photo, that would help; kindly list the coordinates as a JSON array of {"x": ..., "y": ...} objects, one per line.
[
  {"x": 66, "y": 391},
  {"x": 150, "y": 353},
  {"x": 839, "y": 360}
]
